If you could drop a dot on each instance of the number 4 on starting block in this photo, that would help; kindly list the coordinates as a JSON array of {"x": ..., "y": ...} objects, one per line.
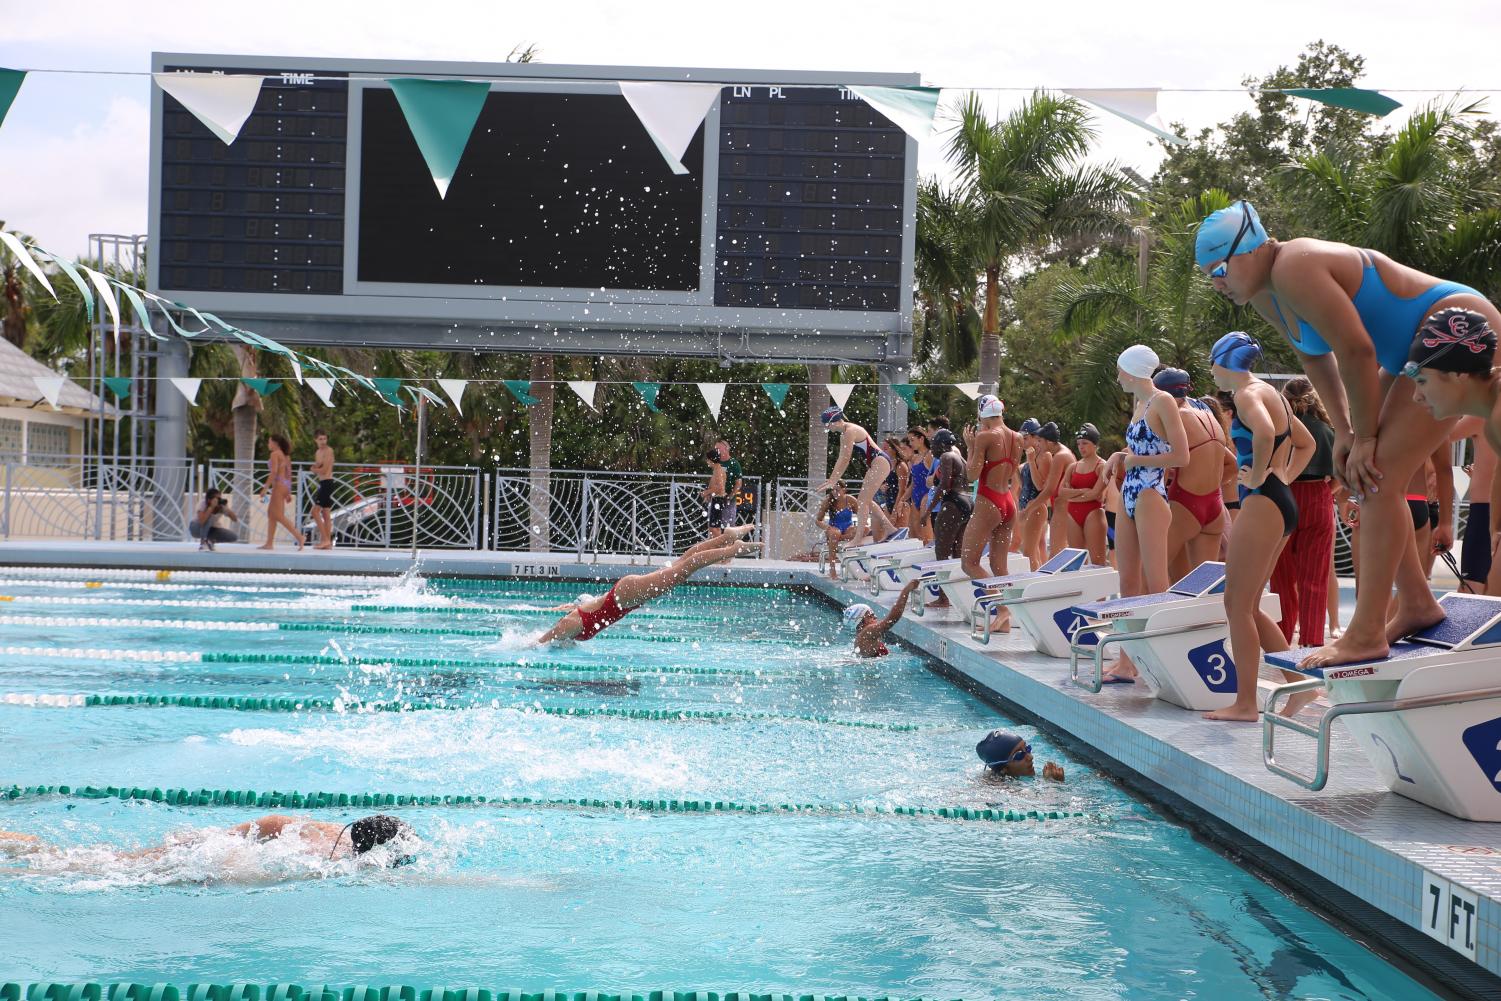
[{"x": 1448, "y": 914}]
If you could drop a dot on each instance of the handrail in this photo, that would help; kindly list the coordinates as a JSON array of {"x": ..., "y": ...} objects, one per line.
[
  {"x": 990, "y": 602},
  {"x": 1074, "y": 649}
]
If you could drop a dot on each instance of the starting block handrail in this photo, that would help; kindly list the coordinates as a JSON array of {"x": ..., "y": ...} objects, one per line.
[
  {"x": 1098, "y": 683},
  {"x": 990, "y": 602},
  {"x": 1270, "y": 722}
]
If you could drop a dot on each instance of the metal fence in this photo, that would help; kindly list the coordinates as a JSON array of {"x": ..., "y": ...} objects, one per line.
[{"x": 67, "y": 498}]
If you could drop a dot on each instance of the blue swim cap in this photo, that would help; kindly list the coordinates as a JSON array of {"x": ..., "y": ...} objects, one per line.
[
  {"x": 1237, "y": 351},
  {"x": 1031, "y": 426},
  {"x": 1172, "y": 380},
  {"x": 1218, "y": 231},
  {"x": 997, "y": 747},
  {"x": 830, "y": 415}
]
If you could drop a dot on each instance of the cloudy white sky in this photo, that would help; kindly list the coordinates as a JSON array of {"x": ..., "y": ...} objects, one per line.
[{"x": 73, "y": 150}]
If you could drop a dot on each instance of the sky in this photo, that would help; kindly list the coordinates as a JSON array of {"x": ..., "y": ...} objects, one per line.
[{"x": 73, "y": 150}]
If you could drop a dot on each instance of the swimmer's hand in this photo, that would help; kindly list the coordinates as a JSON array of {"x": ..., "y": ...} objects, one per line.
[
  {"x": 1052, "y": 772},
  {"x": 1360, "y": 466}
]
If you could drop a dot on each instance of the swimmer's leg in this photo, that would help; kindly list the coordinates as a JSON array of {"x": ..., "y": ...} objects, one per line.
[{"x": 639, "y": 588}]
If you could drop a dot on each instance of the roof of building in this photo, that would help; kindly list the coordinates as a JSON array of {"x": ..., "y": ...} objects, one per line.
[{"x": 18, "y": 388}]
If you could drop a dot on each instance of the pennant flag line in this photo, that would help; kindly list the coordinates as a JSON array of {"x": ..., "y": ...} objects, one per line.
[
  {"x": 389, "y": 388},
  {"x": 713, "y": 396},
  {"x": 10, "y": 83},
  {"x": 323, "y": 388},
  {"x": 909, "y": 108},
  {"x": 424, "y": 393},
  {"x": 118, "y": 384},
  {"x": 671, "y": 114},
  {"x": 455, "y": 390},
  {"x": 441, "y": 115},
  {"x": 585, "y": 391},
  {"x": 222, "y": 102},
  {"x": 108, "y": 295},
  {"x": 263, "y": 386},
  {"x": 522, "y": 390},
  {"x": 648, "y": 391},
  {"x": 1372, "y": 102},
  {"x": 906, "y": 391},
  {"x": 1139, "y": 107},
  {"x": 840, "y": 392},
  {"x": 50, "y": 386},
  {"x": 78, "y": 282},
  {"x": 187, "y": 387},
  {"x": 969, "y": 389},
  {"x": 19, "y": 249},
  {"x": 776, "y": 391}
]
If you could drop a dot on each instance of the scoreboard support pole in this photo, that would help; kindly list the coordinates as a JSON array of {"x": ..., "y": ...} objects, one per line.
[
  {"x": 170, "y": 438},
  {"x": 891, "y": 413}
]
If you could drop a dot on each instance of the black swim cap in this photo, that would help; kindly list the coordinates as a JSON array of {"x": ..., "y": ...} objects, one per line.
[
  {"x": 1453, "y": 340},
  {"x": 943, "y": 440},
  {"x": 375, "y": 830},
  {"x": 997, "y": 747},
  {"x": 1172, "y": 380},
  {"x": 1048, "y": 432},
  {"x": 1089, "y": 433}
]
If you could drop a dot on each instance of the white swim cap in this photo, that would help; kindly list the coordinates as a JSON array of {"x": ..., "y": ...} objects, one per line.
[
  {"x": 1138, "y": 360},
  {"x": 855, "y": 614},
  {"x": 991, "y": 406}
]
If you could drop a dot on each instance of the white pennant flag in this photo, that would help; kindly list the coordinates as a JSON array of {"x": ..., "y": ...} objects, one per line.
[
  {"x": 324, "y": 388},
  {"x": 909, "y": 108},
  {"x": 50, "y": 386},
  {"x": 585, "y": 391},
  {"x": 671, "y": 113},
  {"x": 713, "y": 396},
  {"x": 969, "y": 389},
  {"x": 19, "y": 249},
  {"x": 840, "y": 392},
  {"x": 108, "y": 295},
  {"x": 1139, "y": 107},
  {"x": 220, "y": 101},
  {"x": 188, "y": 388},
  {"x": 455, "y": 390}
]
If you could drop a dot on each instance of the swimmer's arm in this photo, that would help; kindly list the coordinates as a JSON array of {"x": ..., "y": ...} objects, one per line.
[
  {"x": 263, "y": 828},
  {"x": 1254, "y": 416},
  {"x": 1166, "y": 409},
  {"x": 1087, "y": 495},
  {"x": 1443, "y": 478},
  {"x": 846, "y": 452},
  {"x": 1302, "y": 450},
  {"x": 895, "y": 615},
  {"x": 1492, "y": 430},
  {"x": 1314, "y": 294}
]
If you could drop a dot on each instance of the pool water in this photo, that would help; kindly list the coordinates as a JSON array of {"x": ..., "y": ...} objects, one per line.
[{"x": 1119, "y": 902}]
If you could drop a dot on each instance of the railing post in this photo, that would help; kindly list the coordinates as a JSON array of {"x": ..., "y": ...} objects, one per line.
[
  {"x": 672, "y": 516},
  {"x": 9, "y": 473},
  {"x": 584, "y": 518},
  {"x": 475, "y": 536}
]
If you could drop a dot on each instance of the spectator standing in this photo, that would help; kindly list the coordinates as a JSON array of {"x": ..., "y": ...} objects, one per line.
[
  {"x": 323, "y": 500},
  {"x": 1301, "y": 576},
  {"x": 734, "y": 481},
  {"x": 714, "y": 494}
]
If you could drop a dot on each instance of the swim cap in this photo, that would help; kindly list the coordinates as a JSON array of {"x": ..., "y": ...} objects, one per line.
[
  {"x": 1219, "y": 229},
  {"x": 375, "y": 830},
  {"x": 1237, "y": 351},
  {"x": 997, "y": 747},
  {"x": 1049, "y": 432},
  {"x": 991, "y": 406},
  {"x": 1453, "y": 340},
  {"x": 830, "y": 415},
  {"x": 855, "y": 614},
  {"x": 1138, "y": 360},
  {"x": 1173, "y": 380},
  {"x": 1031, "y": 426},
  {"x": 1089, "y": 433},
  {"x": 943, "y": 440}
]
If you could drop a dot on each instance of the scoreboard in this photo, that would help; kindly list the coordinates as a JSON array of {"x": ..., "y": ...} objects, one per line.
[{"x": 790, "y": 236}]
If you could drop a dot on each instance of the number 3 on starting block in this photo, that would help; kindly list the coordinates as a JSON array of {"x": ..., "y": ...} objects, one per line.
[{"x": 1448, "y": 913}]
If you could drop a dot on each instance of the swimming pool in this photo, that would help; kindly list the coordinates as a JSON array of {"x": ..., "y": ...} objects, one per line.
[{"x": 779, "y": 853}]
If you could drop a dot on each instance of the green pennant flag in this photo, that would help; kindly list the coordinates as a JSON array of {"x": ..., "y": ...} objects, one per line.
[
  {"x": 263, "y": 386},
  {"x": 906, "y": 391},
  {"x": 648, "y": 391},
  {"x": 441, "y": 115},
  {"x": 10, "y": 82},
  {"x": 777, "y": 391},
  {"x": 1372, "y": 102},
  {"x": 390, "y": 389},
  {"x": 118, "y": 384},
  {"x": 522, "y": 390}
]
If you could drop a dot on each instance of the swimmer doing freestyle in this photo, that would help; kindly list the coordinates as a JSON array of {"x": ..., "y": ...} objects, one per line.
[
  {"x": 589, "y": 616},
  {"x": 1351, "y": 315}
]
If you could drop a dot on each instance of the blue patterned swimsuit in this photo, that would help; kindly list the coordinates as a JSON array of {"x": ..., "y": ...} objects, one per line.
[{"x": 1142, "y": 440}]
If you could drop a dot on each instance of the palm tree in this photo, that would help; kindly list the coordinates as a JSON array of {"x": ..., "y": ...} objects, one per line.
[
  {"x": 947, "y": 324},
  {"x": 1023, "y": 189}
]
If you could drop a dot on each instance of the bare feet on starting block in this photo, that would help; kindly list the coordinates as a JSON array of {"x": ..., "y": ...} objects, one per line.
[{"x": 1236, "y": 713}]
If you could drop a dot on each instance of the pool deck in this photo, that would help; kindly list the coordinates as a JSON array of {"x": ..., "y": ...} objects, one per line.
[{"x": 1351, "y": 847}]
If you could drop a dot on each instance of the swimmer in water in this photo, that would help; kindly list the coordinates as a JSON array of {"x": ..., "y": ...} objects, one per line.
[
  {"x": 1008, "y": 756},
  {"x": 869, "y": 629},
  {"x": 589, "y": 616},
  {"x": 318, "y": 838}
]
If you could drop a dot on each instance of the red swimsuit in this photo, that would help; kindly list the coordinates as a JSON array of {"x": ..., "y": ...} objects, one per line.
[
  {"x": 607, "y": 613},
  {"x": 1003, "y": 500},
  {"x": 1204, "y": 507},
  {"x": 1081, "y": 510}
]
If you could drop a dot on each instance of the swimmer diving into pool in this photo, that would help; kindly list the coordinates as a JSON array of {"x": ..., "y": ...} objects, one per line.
[{"x": 589, "y": 616}]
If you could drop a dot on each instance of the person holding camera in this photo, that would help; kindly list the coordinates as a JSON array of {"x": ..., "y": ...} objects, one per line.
[{"x": 211, "y": 525}]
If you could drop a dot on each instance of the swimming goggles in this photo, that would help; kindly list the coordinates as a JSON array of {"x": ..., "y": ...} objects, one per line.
[
  {"x": 1223, "y": 267},
  {"x": 1022, "y": 750},
  {"x": 1468, "y": 340}
]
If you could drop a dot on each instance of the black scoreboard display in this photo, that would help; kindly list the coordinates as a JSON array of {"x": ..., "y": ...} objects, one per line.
[{"x": 796, "y": 212}]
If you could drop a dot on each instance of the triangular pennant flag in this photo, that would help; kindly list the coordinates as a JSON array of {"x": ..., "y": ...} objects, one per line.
[
  {"x": 671, "y": 113},
  {"x": 713, "y": 396},
  {"x": 187, "y": 387},
  {"x": 777, "y": 391},
  {"x": 522, "y": 390},
  {"x": 77, "y": 280},
  {"x": 585, "y": 390},
  {"x": 143, "y": 315},
  {"x": 840, "y": 392},
  {"x": 263, "y": 386},
  {"x": 118, "y": 384},
  {"x": 441, "y": 114},
  {"x": 969, "y": 389},
  {"x": 1139, "y": 107},
  {"x": 648, "y": 391},
  {"x": 455, "y": 390},
  {"x": 389, "y": 388},
  {"x": 108, "y": 295},
  {"x": 221, "y": 101},
  {"x": 19, "y": 249},
  {"x": 910, "y": 108},
  {"x": 1372, "y": 102},
  {"x": 423, "y": 393},
  {"x": 323, "y": 388},
  {"x": 10, "y": 82},
  {"x": 50, "y": 386},
  {"x": 906, "y": 391}
]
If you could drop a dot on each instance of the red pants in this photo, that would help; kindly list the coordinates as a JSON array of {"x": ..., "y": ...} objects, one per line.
[{"x": 1301, "y": 577}]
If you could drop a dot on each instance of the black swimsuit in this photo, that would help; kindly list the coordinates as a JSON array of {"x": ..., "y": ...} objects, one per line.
[{"x": 1272, "y": 488}]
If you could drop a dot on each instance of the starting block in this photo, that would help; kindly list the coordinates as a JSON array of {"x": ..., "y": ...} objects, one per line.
[
  {"x": 958, "y": 586},
  {"x": 862, "y": 556},
  {"x": 1178, "y": 639},
  {"x": 1428, "y": 716},
  {"x": 1043, "y": 600},
  {"x": 892, "y": 571}
]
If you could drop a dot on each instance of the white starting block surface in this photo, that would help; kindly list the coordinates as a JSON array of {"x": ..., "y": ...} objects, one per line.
[
  {"x": 1178, "y": 639},
  {"x": 895, "y": 570},
  {"x": 1428, "y": 716},
  {"x": 864, "y": 558},
  {"x": 959, "y": 587},
  {"x": 1043, "y": 601},
  {"x": 936, "y": 574}
]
